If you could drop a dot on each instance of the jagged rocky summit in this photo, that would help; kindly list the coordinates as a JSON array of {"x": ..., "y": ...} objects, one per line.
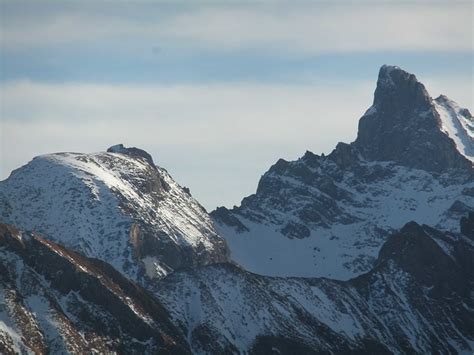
[
  {"x": 406, "y": 126},
  {"x": 329, "y": 215},
  {"x": 116, "y": 206}
]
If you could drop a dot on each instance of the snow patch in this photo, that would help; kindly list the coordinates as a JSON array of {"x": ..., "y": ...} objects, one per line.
[{"x": 455, "y": 125}]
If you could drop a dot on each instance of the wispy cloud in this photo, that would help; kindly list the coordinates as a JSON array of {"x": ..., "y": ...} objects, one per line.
[
  {"x": 216, "y": 138},
  {"x": 312, "y": 28},
  {"x": 331, "y": 28},
  {"x": 246, "y": 83}
]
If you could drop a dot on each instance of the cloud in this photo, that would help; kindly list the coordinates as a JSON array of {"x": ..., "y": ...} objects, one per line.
[
  {"x": 216, "y": 135},
  {"x": 216, "y": 138},
  {"x": 314, "y": 28},
  {"x": 336, "y": 28}
]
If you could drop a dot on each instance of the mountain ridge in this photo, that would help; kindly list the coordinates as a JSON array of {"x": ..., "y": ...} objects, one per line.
[
  {"x": 404, "y": 165},
  {"x": 397, "y": 307},
  {"x": 401, "y": 305},
  {"x": 56, "y": 300}
]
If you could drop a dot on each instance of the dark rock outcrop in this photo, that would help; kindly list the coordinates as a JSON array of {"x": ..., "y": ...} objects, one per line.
[
  {"x": 467, "y": 225},
  {"x": 403, "y": 126},
  {"x": 344, "y": 155},
  {"x": 222, "y": 214},
  {"x": 132, "y": 151},
  {"x": 295, "y": 230}
]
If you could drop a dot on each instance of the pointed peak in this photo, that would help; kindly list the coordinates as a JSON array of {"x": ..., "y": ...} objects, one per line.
[
  {"x": 308, "y": 155},
  {"x": 386, "y": 70},
  {"x": 390, "y": 73},
  {"x": 403, "y": 126},
  {"x": 397, "y": 88}
]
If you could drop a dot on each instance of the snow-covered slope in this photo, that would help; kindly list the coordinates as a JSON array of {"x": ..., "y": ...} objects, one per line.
[
  {"x": 329, "y": 215},
  {"x": 311, "y": 217},
  {"x": 417, "y": 299},
  {"x": 458, "y": 124},
  {"x": 116, "y": 206}
]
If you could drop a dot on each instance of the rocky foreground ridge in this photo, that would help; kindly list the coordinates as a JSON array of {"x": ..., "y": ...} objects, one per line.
[
  {"x": 57, "y": 301},
  {"x": 416, "y": 299}
]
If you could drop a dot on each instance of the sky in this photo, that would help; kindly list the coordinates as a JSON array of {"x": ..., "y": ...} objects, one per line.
[{"x": 217, "y": 92}]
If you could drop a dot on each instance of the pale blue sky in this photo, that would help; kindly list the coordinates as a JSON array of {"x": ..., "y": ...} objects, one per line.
[{"x": 215, "y": 92}]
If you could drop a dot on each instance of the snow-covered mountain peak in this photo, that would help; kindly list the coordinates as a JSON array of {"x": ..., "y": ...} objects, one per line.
[
  {"x": 115, "y": 205},
  {"x": 329, "y": 215},
  {"x": 403, "y": 125}
]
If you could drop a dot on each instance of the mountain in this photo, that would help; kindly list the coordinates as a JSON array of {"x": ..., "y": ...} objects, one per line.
[
  {"x": 116, "y": 206},
  {"x": 417, "y": 299},
  {"x": 328, "y": 216},
  {"x": 369, "y": 250},
  {"x": 54, "y": 300}
]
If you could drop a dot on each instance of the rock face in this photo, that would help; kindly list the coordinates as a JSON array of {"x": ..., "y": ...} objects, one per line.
[
  {"x": 467, "y": 226},
  {"x": 329, "y": 215},
  {"x": 416, "y": 299},
  {"x": 56, "y": 301},
  {"x": 403, "y": 126},
  {"x": 116, "y": 206}
]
